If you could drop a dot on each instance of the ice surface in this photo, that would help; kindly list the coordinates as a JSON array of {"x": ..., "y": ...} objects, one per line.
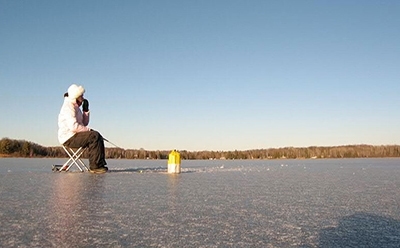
[{"x": 242, "y": 203}]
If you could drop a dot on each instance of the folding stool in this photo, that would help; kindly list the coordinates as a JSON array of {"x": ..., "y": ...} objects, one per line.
[{"x": 74, "y": 159}]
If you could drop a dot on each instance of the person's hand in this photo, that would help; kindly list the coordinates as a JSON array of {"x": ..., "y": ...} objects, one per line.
[{"x": 85, "y": 105}]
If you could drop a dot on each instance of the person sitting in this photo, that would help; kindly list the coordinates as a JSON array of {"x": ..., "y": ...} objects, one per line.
[{"x": 73, "y": 130}]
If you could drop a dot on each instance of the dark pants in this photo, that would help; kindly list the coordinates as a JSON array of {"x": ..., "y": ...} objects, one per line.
[{"x": 94, "y": 141}]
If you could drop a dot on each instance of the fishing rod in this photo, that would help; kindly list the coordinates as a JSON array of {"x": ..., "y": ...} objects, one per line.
[{"x": 112, "y": 143}]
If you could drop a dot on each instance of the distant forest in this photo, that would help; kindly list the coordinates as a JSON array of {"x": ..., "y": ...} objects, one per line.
[{"x": 22, "y": 148}]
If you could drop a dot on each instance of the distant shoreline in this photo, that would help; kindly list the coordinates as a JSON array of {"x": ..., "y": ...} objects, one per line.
[
  {"x": 41, "y": 157},
  {"x": 26, "y": 149}
]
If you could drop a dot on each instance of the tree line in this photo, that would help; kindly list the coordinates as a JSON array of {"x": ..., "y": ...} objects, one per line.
[{"x": 22, "y": 148}]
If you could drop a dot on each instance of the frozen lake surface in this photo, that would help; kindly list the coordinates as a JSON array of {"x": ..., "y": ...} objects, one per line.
[{"x": 242, "y": 203}]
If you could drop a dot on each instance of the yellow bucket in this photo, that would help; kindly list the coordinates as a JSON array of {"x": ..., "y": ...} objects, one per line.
[{"x": 174, "y": 162}]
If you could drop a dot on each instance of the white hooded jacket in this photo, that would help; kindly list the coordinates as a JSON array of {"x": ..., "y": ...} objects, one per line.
[{"x": 71, "y": 120}]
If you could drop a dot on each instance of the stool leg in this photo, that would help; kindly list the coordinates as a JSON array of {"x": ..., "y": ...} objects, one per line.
[{"x": 74, "y": 158}]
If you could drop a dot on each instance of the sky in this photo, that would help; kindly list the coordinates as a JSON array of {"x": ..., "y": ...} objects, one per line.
[{"x": 204, "y": 75}]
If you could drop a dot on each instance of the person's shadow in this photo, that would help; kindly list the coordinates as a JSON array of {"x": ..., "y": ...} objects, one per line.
[
  {"x": 362, "y": 230},
  {"x": 139, "y": 170},
  {"x": 146, "y": 170}
]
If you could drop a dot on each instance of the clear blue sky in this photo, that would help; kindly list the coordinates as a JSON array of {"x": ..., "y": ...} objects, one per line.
[{"x": 205, "y": 75}]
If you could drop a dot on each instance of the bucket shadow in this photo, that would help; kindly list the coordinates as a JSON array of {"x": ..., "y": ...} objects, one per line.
[{"x": 362, "y": 230}]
